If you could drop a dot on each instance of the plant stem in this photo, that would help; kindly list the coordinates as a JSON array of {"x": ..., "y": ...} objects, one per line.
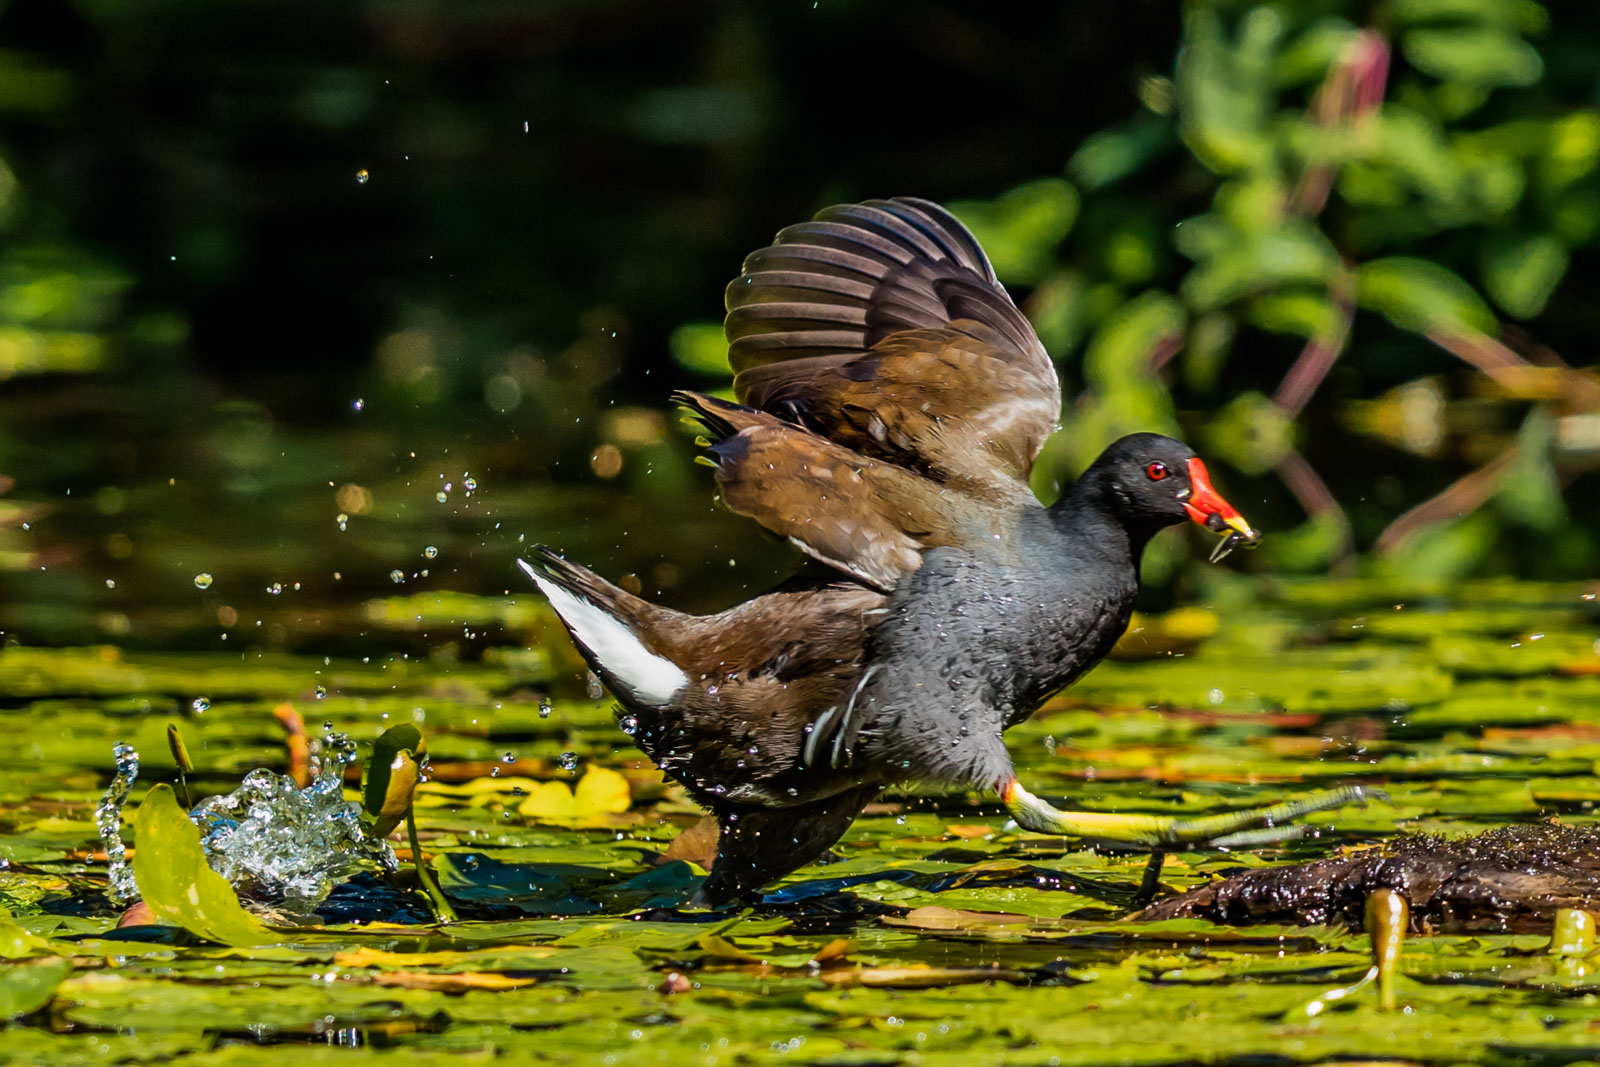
[{"x": 441, "y": 906}]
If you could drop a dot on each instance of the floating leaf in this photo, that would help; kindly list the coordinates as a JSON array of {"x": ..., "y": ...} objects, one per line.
[
  {"x": 601, "y": 791},
  {"x": 27, "y": 987},
  {"x": 695, "y": 844},
  {"x": 175, "y": 880},
  {"x": 17, "y": 943}
]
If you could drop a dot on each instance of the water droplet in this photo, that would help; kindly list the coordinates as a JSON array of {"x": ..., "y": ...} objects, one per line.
[
  {"x": 322, "y": 692},
  {"x": 358, "y": 404},
  {"x": 362, "y": 176},
  {"x": 508, "y": 758},
  {"x": 441, "y": 496},
  {"x": 200, "y": 704},
  {"x": 275, "y": 588},
  {"x": 544, "y": 707},
  {"x": 397, "y": 576},
  {"x": 568, "y": 761},
  {"x": 470, "y": 482},
  {"x": 111, "y": 583},
  {"x": 430, "y": 553},
  {"x": 629, "y": 725},
  {"x": 494, "y": 772},
  {"x": 202, "y": 580},
  {"x": 344, "y": 522},
  {"x": 1216, "y": 696}
]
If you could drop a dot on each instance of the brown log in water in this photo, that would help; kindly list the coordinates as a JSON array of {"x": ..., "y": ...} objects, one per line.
[{"x": 1510, "y": 879}]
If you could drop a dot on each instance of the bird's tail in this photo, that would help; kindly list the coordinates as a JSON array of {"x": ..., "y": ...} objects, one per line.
[{"x": 609, "y": 625}]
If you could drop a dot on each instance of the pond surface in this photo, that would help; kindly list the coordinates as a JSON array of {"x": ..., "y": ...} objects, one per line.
[{"x": 938, "y": 935}]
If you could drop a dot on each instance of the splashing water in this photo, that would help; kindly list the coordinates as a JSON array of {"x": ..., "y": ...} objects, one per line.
[
  {"x": 108, "y": 820},
  {"x": 282, "y": 847}
]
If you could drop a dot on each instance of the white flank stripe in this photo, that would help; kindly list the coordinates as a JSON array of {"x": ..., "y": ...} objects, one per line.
[{"x": 650, "y": 678}]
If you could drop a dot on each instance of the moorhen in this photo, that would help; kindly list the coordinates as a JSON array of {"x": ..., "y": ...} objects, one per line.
[{"x": 892, "y": 402}]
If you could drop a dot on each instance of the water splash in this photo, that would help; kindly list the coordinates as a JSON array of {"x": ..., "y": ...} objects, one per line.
[
  {"x": 108, "y": 820},
  {"x": 286, "y": 846},
  {"x": 282, "y": 847}
]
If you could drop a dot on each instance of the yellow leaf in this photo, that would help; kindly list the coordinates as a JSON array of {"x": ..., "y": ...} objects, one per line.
[
  {"x": 602, "y": 791},
  {"x": 375, "y": 957},
  {"x": 548, "y": 800},
  {"x": 460, "y": 982}
]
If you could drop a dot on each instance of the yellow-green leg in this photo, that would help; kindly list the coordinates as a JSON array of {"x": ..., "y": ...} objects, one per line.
[{"x": 1233, "y": 828}]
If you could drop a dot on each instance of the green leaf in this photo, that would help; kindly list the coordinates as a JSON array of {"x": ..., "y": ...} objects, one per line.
[
  {"x": 1413, "y": 145},
  {"x": 1480, "y": 55},
  {"x": 1420, "y": 296},
  {"x": 1112, "y": 155},
  {"x": 17, "y": 943},
  {"x": 177, "y": 883},
  {"x": 1530, "y": 490},
  {"x": 1444, "y": 552},
  {"x": 1302, "y": 313},
  {"x": 1307, "y": 547},
  {"x": 1252, "y": 433},
  {"x": 701, "y": 347},
  {"x": 1520, "y": 273},
  {"x": 1524, "y": 15},
  {"x": 1318, "y": 47},
  {"x": 1119, "y": 355},
  {"x": 392, "y": 775},
  {"x": 1287, "y": 254},
  {"x": 400, "y": 780},
  {"x": 27, "y": 987},
  {"x": 1021, "y": 229},
  {"x": 180, "y": 751},
  {"x": 1225, "y": 88}
]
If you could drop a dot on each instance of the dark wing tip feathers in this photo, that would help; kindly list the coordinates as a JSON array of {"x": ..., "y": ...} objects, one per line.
[
  {"x": 703, "y": 410},
  {"x": 547, "y": 562},
  {"x": 855, "y": 273}
]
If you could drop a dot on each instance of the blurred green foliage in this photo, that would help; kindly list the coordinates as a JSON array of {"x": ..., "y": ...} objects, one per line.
[{"x": 1378, "y": 187}]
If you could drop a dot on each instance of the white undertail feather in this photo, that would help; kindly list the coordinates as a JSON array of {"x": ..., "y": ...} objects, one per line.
[{"x": 649, "y": 678}]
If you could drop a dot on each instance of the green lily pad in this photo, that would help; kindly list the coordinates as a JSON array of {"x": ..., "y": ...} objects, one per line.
[
  {"x": 177, "y": 883},
  {"x": 27, "y": 987}
]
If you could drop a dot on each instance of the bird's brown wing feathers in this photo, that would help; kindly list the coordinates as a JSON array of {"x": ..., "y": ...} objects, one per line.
[
  {"x": 881, "y": 326},
  {"x": 869, "y": 518}
]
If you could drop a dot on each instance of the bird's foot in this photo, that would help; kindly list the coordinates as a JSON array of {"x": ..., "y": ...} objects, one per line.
[{"x": 1233, "y": 829}]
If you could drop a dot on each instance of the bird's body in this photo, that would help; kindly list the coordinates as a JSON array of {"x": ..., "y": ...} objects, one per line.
[{"x": 893, "y": 402}]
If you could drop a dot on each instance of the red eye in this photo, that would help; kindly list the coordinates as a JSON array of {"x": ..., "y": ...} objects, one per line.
[{"x": 1156, "y": 471}]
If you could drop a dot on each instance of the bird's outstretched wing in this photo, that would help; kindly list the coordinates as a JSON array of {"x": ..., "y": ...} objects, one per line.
[{"x": 881, "y": 326}]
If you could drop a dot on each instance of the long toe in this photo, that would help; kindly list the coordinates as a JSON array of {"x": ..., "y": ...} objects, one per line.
[{"x": 1265, "y": 825}]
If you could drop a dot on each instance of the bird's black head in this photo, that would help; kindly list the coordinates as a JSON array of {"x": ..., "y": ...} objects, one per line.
[{"x": 1147, "y": 482}]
